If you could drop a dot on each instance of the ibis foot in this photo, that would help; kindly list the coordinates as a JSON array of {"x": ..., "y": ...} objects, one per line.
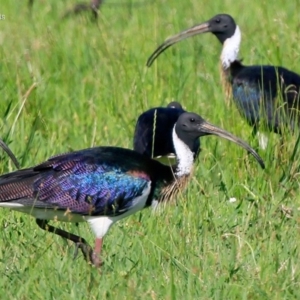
[
  {"x": 88, "y": 253},
  {"x": 96, "y": 260}
]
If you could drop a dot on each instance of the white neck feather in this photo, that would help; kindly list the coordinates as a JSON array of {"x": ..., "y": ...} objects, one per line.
[
  {"x": 184, "y": 155},
  {"x": 231, "y": 49}
]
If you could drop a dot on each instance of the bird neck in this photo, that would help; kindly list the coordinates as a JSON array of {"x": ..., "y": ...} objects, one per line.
[
  {"x": 226, "y": 83},
  {"x": 185, "y": 156},
  {"x": 169, "y": 192},
  {"x": 231, "y": 48}
]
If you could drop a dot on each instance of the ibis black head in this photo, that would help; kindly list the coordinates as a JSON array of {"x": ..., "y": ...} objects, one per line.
[
  {"x": 191, "y": 126},
  {"x": 175, "y": 104},
  {"x": 222, "y": 26}
]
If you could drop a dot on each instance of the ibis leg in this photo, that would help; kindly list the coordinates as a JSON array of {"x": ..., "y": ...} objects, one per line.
[
  {"x": 80, "y": 242},
  {"x": 97, "y": 251}
]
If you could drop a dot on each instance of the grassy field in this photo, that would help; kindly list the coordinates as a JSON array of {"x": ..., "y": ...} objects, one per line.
[{"x": 91, "y": 84}]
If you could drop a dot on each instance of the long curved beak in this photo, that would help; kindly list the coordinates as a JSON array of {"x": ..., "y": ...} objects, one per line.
[
  {"x": 200, "y": 28},
  {"x": 10, "y": 154},
  {"x": 206, "y": 128}
]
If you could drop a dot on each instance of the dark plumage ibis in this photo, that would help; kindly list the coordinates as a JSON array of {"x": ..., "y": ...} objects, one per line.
[
  {"x": 10, "y": 154},
  {"x": 105, "y": 184},
  {"x": 153, "y": 133},
  {"x": 262, "y": 93}
]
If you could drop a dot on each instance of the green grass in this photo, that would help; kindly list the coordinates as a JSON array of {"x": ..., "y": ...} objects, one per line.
[{"x": 92, "y": 84}]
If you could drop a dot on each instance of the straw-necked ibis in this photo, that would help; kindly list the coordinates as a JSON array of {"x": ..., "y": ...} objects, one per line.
[
  {"x": 153, "y": 133},
  {"x": 105, "y": 184},
  {"x": 262, "y": 93}
]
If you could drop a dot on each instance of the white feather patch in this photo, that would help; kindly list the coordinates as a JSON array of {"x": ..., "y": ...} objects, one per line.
[
  {"x": 184, "y": 154},
  {"x": 100, "y": 225},
  {"x": 231, "y": 49}
]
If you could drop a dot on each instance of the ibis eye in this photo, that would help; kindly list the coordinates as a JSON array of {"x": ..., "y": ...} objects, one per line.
[
  {"x": 192, "y": 120},
  {"x": 218, "y": 20}
]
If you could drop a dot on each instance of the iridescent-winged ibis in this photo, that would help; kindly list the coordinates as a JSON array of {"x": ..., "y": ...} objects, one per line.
[
  {"x": 262, "y": 93},
  {"x": 153, "y": 133},
  {"x": 105, "y": 184}
]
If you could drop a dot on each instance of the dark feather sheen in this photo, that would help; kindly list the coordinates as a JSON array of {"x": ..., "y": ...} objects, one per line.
[
  {"x": 96, "y": 181},
  {"x": 266, "y": 92}
]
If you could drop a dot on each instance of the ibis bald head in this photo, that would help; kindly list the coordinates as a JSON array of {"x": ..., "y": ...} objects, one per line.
[
  {"x": 191, "y": 126},
  {"x": 222, "y": 26}
]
